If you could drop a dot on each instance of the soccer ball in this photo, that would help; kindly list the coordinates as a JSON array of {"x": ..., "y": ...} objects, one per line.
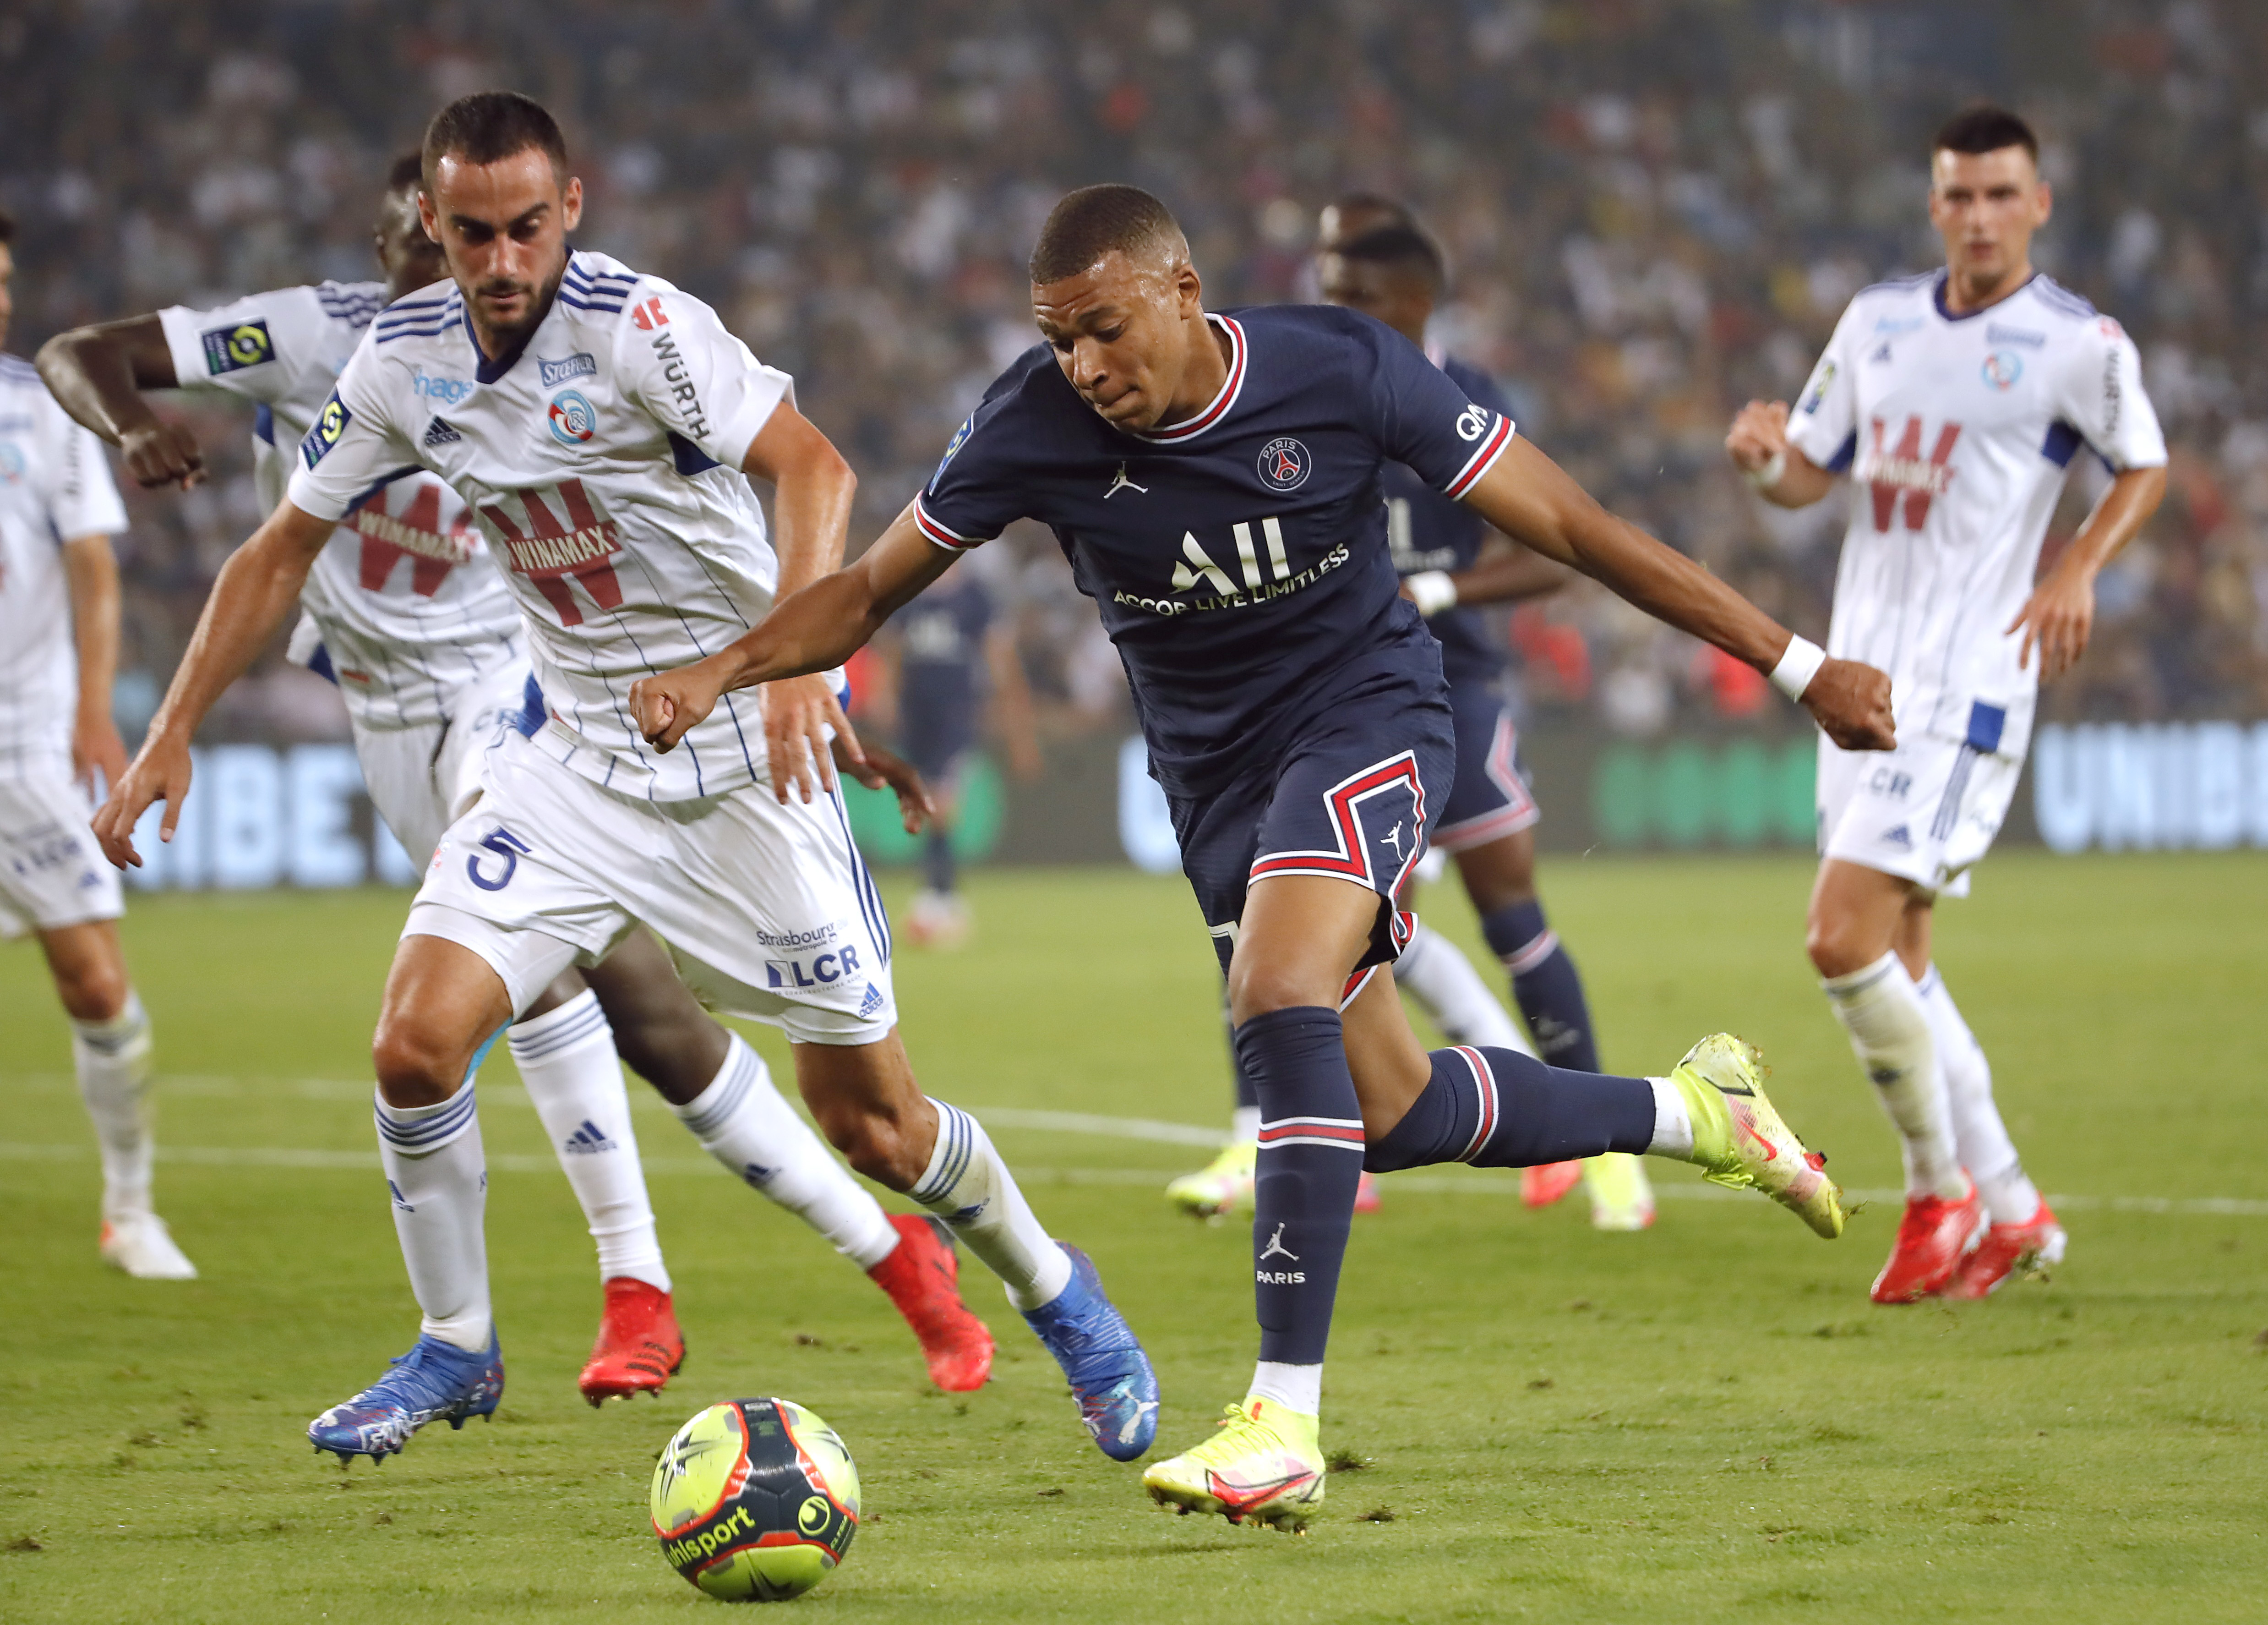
[{"x": 756, "y": 1500}]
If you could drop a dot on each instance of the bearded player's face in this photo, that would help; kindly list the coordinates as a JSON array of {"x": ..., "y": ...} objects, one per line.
[{"x": 504, "y": 227}]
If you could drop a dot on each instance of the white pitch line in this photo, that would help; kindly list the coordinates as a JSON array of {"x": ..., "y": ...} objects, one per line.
[{"x": 1071, "y": 1122}]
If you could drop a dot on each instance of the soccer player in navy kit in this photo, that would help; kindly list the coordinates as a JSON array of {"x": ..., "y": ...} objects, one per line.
[{"x": 1214, "y": 480}]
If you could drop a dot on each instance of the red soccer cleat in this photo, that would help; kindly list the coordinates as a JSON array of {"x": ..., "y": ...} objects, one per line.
[
  {"x": 2031, "y": 1247},
  {"x": 1366, "y": 1192},
  {"x": 1547, "y": 1182},
  {"x": 1932, "y": 1238},
  {"x": 640, "y": 1347},
  {"x": 922, "y": 1276}
]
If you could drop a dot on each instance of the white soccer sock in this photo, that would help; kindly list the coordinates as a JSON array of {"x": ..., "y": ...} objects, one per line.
[
  {"x": 742, "y": 1120},
  {"x": 1295, "y": 1387},
  {"x": 1882, "y": 1011},
  {"x": 112, "y": 1061},
  {"x": 439, "y": 1182},
  {"x": 566, "y": 1057},
  {"x": 1244, "y": 1124},
  {"x": 1673, "y": 1123},
  {"x": 1986, "y": 1150},
  {"x": 970, "y": 1188},
  {"x": 1439, "y": 977}
]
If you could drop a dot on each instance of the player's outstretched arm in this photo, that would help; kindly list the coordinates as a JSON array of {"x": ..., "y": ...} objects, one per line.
[
  {"x": 91, "y": 574},
  {"x": 822, "y": 625},
  {"x": 1758, "y": 445},
  {"x": 255, "y": 590},
  {"x": 2059, "y": 614},
  {"x": 98, "y": 374},
  {"x": 1531, "y": 499}
]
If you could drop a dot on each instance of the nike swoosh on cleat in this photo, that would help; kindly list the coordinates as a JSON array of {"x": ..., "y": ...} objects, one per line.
[{"x": 1244, "y": 1500}]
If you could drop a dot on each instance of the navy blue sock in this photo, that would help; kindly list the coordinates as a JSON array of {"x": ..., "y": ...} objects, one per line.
[
  {"x": 1501, "y": 1109},
  {"x": 937, "y": 860},
  {"x": 1310, "y": 1163},
  {"x": 1545, "y": 985}
]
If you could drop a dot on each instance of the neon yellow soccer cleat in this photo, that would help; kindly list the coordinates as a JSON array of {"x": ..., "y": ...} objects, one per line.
[
  {"x": 1264, "y": 1466},
  {"x": 1741, "y": 1140},
  {"x": 1221, "y": 1186},
  {"x": 1622, "y": 1197}
]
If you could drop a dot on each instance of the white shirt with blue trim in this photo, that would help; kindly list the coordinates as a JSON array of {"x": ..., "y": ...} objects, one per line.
[
  {"x": 1957, "y": 432},
  {"x": 602, "y": 462}
]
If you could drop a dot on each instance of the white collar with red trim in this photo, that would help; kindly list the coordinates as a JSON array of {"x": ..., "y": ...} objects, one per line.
[{"x": 1221, "y": 403}]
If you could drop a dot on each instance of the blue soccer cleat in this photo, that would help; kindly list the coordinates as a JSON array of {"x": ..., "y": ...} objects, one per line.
[
  {"x": 434, "y": 1381},
  {"x": 1101, "y": 1359}
]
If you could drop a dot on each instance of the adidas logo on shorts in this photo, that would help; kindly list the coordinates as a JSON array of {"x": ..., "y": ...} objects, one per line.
[{"x": 872, "y": 1002}]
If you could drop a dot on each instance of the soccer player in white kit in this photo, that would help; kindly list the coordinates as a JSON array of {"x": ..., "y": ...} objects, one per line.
[
  {"x": 1956, "y": 401},
  {"x": 405, "y": 609},
  {"x": 58, "y": 652},
  {"x": 599, "y": 424}
]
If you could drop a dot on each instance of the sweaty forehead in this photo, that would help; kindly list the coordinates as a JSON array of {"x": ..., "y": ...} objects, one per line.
[{"x": 1112, "y": 284}]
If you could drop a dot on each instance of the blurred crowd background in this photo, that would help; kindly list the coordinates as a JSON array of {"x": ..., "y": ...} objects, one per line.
[{"x": 1654, "y": 211}]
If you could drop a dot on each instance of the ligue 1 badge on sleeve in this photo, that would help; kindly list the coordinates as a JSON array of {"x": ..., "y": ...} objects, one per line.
[{"x": 1284, "y": 463}]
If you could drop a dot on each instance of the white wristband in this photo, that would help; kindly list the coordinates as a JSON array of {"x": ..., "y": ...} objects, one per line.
[
  {"x": 1770, "y": 475},
  {"x": 1431, "y": 591},
  {"x": 1798, "y": 667}
]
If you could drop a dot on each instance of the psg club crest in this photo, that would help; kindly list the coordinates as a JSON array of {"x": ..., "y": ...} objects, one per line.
[
  {"x": 1284, "y": 463},
  {"x": 573, "y": 419}
]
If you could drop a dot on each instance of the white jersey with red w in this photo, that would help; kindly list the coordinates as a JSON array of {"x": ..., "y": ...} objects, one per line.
[
  {"x": 602, "y": 460},
  {"x": 1956, "y": 433},
  {"x": 410, "y": 606}
]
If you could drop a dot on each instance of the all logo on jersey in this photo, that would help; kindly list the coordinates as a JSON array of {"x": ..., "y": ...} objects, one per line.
[
  {"x": 330, "y": 423},
  {"x": 232, "y": 349},
  {"x": 1284, "y": 463},
  {"x": 415, "y": 533},
  {"x": 580, "y": 365},
  {"x": 550, "y": 553},
  {"x": 2002, "y": 369},
  {"x": 573, "y": 419},
  {"x": 1902, "y": 470}
]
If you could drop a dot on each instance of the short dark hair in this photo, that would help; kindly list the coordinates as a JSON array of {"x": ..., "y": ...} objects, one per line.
[
  {"x": 1985, "y": 129},
  {"x": 406, "y": 170},
  {"x": 488, "y": 127},
  {"x": 1398, "y": 247},
  {"x": 1096, "y": 220},
  {"x": 1376, "y": 202},
  {"x": 7, "y": 227}
]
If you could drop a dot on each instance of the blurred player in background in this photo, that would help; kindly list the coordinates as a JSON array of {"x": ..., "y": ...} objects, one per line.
[
  {"x": 1955, "y": 399},
  {"x": 58, "y": 654},
  {"x": 1374, "y": 258},
  {"x": 405, "y": 609},
  {"x": 1296, "y": 716},
  {"x": 603, "y": 452},
  {"x": 947, "y": 668}
]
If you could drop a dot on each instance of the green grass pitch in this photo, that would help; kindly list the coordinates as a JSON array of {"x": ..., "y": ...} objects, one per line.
[{"x": 1707, "y": 1422}]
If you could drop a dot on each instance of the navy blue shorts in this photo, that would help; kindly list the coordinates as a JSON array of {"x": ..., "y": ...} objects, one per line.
[
  {"x": 1350, "y": 798},
  {"x": 1490, "y": 799},
  {"x": 935, "y": 732}
]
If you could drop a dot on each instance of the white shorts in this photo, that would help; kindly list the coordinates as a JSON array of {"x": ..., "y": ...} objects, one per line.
[
  {"x": 767, "y": 910},
  {"x": 1925, "y": 812},
  {"x": 52, "y": 875},
  {"x": 422, "y": 778}
]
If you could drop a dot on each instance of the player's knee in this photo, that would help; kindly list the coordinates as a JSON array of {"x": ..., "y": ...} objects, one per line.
[
  {"x": 876, "y": 1145},
  {"x": 1835, "y": 944},
  {"x": 94, "y": 990},
  {"x": 413, "y": 1068},
  {"x": 1258, "y": 989}
]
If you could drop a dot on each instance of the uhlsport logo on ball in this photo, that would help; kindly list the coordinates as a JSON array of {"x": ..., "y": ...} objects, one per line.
[{"x": 756, "y": 1500}]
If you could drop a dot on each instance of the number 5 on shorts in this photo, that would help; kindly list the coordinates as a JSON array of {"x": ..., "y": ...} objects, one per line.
[{"x": 506, "y": 846}]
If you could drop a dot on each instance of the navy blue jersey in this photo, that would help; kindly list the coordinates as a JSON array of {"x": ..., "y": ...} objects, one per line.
[
  {"x": 941, "y": 669},
  {"x": 1429, "y": 531},
  {"x": 1240, "y": 559}
]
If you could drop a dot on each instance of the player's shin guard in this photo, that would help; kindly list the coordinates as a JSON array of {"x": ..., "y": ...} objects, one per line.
[
  {"x": 1310, "y": 1162},
  {"x": 437, "y": 1177},
  {"x": 566, "y": 1057},
  {"x": 970, "y": 1188},
  {"x": 112, "y": 1060},
  {"x": 743, "y": 1122},
  {"x": 1545, "y": 984},
  {"x": 1978, "y": 1135},
  {"x": 1882, "y": 1011},
  {"x": 1498, "y": 1109},
  {"x": 1434, "y": 972}
]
